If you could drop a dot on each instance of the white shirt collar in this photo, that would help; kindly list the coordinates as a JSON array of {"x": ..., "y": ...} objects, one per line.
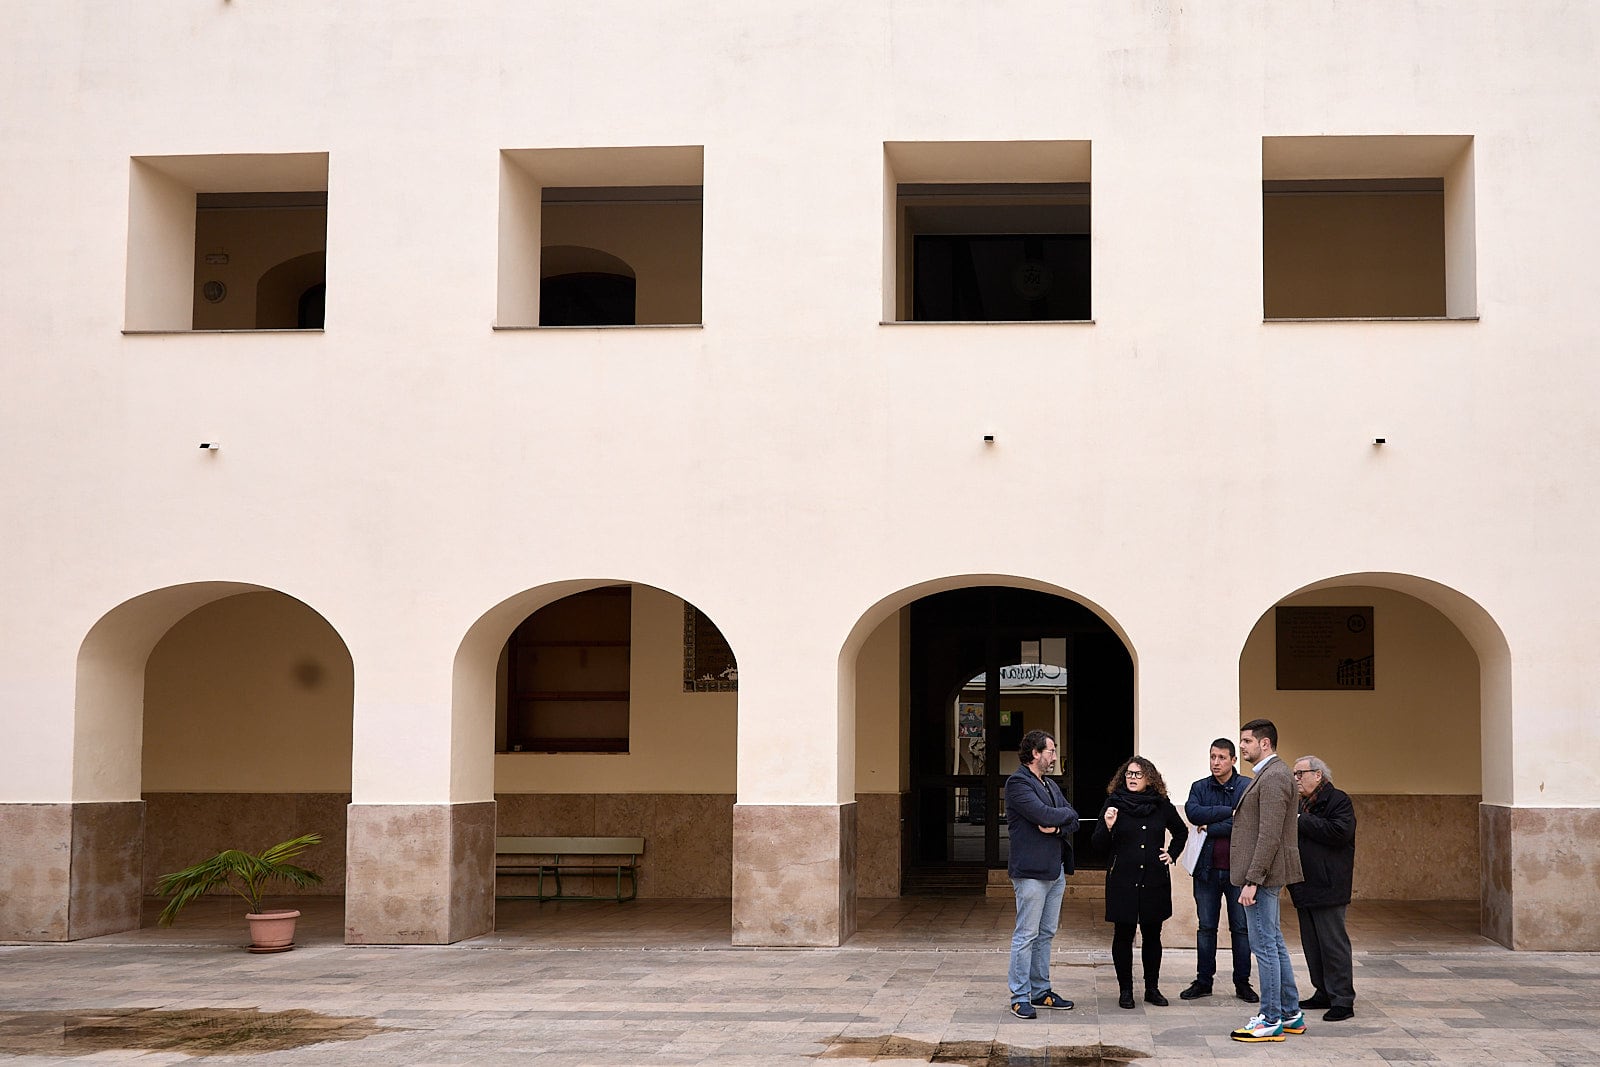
[{"x": 1264, "y": 762}]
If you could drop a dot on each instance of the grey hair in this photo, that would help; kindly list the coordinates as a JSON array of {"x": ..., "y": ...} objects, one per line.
[{"x": 1318, "y": 766}]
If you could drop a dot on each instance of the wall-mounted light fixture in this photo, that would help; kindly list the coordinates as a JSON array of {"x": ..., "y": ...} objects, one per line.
[
  {"x": 1380, "y": 440},
  {"x": 210, "y": 446},
  {"x": 988, "y": 438}
]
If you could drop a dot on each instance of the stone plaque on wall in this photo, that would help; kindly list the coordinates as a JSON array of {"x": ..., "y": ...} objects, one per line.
[
  {"x": 708, "y": 663},
  {"x": 1325, "y": 648}
]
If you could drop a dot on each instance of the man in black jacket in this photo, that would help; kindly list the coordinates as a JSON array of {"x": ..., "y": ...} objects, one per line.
[
  {"x": 1327, "y": 828},
  {"x": 1210, "y": 810},
  {"x": 1040, "y": 824}
]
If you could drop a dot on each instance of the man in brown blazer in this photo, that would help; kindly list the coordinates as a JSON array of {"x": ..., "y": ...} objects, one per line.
[{"x": 1266, "y": 858}]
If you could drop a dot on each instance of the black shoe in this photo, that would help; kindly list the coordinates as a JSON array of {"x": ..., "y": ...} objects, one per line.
[
  {"x": 1153, "y": 996},
  {"x": 1246, "y": 994},
  {"x": 1196, "y": 990},
  {"x": 1126, "y": 1000},
  {"x": 1023, "y": 1010},
  {"x": 1051, "y": 999},
  {"x": 1317, "y": 1000},
  {"x": 1338, "y": 1015}
]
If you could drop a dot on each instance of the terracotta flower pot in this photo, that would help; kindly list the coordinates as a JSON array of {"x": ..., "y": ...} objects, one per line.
[{"x": 272, "y": 931}]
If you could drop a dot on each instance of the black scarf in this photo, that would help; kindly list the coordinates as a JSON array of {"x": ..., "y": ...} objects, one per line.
[{"x": 1139, "y": 805}]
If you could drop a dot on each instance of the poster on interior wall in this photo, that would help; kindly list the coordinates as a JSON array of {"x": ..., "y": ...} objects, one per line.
[
  {"x": 970, "y": 723},
  {"x": 1325, "y": 647},
  {"x": 708, "y": 663}
]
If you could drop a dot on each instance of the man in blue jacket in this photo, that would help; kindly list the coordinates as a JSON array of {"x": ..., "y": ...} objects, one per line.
[
  {"x": 1210, "y": 810},
  {"x": 1040, "y": 824}
]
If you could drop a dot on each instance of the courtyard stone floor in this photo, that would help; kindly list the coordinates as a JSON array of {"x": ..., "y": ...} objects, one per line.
[{"x": 657, "y": 982}]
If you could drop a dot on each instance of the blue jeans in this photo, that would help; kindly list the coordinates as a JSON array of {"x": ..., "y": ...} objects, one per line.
[
  {"x": 1279, "y": 998},
  {"x": 1038, "y": 913},
  {"x": 1210, "y": 890}
]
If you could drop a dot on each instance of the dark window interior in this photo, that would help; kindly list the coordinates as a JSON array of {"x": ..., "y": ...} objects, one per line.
[
  {"x": 312, "y": 308},
  {"x": 1000, "y": 277},
  {"x": 587, "y": 299}
]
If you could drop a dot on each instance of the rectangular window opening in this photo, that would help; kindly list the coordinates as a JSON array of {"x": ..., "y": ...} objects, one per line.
[
  {"x": 990, "y": 231},
  {"x": 1367, "y": 228},
  {"x": 998, "y": 253},
  {"x": 600, "y": 237},
  {"x": 227, "y": 242},
  {"x": 260, "y": 260}
]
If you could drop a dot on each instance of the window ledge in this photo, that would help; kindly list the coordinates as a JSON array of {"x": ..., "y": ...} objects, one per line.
[
  {"x": 1378, "y": 318},
  {"x": 165, "y": 333},
  {"x": 986, "y": 322},
  {"x": 639, "y": 326}
]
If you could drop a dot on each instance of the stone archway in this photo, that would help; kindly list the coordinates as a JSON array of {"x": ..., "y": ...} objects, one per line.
[
  {"x": 876, "y": 691},
  {"x": 1424, "y": 752},
  {"x": 668, "y": 774},
  {"x": 90, "y": 851}
]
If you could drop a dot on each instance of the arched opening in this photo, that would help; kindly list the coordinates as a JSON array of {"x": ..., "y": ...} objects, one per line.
[
  {"x": 211, "y": 715},
  {"x": 607, "y": 709},
  {"x": 289, "y": 296},
  {"x": 586, "y": 287},
  {"x": 1402, "y": 686},
  {"x": 944, "y": 679}
]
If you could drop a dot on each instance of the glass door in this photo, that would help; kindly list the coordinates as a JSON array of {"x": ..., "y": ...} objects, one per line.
[{"x": 989, "y": 664}]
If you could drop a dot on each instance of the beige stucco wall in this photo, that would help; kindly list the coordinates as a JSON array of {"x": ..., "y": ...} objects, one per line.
[
  {"x": 881, "y": 708},
  {"x": 677, "y": 742},
  {"x": 253, "y": 694},
  {"x": 793, "y": 468},
  {"x": 1416, "y": 732},
  {"x": 248, "y": 694}
]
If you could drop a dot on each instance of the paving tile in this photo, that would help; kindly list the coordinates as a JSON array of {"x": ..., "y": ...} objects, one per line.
[{"x": 552, "y": 986}]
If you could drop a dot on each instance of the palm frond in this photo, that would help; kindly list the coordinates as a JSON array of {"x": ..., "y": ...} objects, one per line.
[{"x": 246, "y": 874}]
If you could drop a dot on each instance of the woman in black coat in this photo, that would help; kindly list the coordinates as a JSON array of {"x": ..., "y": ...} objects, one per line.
[{"x": 1133, "y": 827}]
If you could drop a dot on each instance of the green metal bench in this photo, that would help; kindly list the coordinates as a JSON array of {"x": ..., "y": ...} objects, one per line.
[{"x": 560, "y": 852}]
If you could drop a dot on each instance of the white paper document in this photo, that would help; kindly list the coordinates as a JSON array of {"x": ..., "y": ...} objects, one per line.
[{"x": 1191, "y": 850}]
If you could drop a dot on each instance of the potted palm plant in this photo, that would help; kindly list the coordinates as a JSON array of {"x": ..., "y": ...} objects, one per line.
[{"x": 248, "y": 875}]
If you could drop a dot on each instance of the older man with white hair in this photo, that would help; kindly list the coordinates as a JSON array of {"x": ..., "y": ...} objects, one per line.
[{"x": 1327, "y": 830}]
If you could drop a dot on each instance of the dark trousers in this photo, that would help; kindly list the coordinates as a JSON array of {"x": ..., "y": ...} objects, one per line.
[
  {"x": 1149, "y": 951},
  {"x": 1327, "y": 949},
  {"x": 1210, "y": 890}
]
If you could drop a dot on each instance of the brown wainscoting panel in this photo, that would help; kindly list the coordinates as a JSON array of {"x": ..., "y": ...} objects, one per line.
[
  {"x": 1555, "y": 871},
  {"x": 878, "y": 844},
  {"x": 1494, "y": 845},
  {"x": 181, "y": 829},
  {"x": 35, "y": 871},
  {"x": 688, "y": 837},
  {"x": 1422, "y": 847}
]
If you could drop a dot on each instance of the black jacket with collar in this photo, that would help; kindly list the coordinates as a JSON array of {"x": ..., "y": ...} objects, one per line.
[
  {"x": 1327, "y": 829},
  {"x": 1138, "y": 883}
]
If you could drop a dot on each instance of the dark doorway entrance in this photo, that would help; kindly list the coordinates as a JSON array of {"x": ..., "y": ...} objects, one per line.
[{"x": 988, "y": 664}]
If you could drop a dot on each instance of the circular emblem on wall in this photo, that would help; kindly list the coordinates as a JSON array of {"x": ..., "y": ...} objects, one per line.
[
  {"x": 1031, "y": 279},
  {"x": 214, "y": 291},
  {"x": 1356, "y": 623}
]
